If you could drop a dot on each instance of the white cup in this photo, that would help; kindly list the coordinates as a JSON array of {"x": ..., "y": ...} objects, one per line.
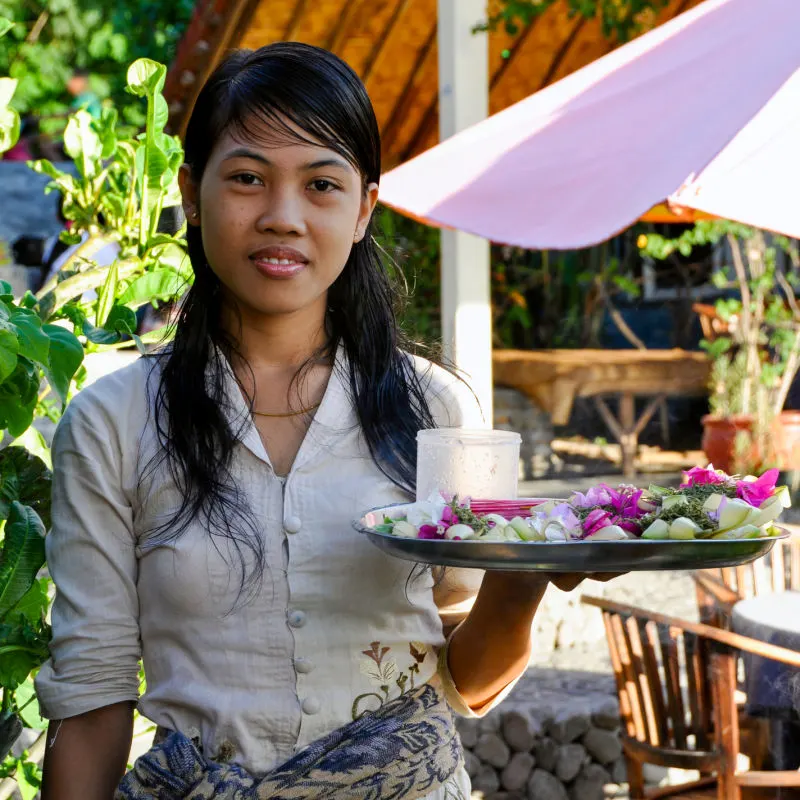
[{"x": 468, "y": 463}]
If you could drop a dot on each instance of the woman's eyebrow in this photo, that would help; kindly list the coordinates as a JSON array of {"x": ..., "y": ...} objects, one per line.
[
  {"x": 327, "y": 162},
  {"x": 243, "y": 152}
]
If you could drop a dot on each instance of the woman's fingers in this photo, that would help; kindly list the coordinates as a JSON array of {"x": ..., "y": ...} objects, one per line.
[{"x": 569, "y": 580}]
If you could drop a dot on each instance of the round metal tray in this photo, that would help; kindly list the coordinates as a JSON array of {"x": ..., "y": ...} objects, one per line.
[{"x": 631, "y": 555}]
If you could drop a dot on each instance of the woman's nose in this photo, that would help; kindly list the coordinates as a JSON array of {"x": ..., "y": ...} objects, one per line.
[{"x": 284, "y": 213}]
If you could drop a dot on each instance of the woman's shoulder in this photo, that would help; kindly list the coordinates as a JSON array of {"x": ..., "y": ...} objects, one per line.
[
  {"x": 450, "y": 397},
  {"x": 117, "y": 399}
]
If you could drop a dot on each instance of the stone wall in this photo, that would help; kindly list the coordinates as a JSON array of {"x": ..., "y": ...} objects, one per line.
[
  {"x": 545, "y": 753},
  {"x": 514, "y": 412}
]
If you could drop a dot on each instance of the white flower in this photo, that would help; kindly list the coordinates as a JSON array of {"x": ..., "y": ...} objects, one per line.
[{"x": 427, "y": 512}]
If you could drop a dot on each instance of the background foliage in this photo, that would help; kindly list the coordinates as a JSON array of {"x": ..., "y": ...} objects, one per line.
[
  {"x": 118, "y": 196},
  {"x": 49, "y": 38},
  {"x": 622, "y": 19}
]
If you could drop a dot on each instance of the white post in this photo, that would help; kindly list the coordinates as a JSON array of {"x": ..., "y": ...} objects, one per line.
[{"x": 463, "y": 101}]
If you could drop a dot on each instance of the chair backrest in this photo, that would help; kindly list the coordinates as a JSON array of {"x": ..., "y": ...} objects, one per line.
[
  {"x": 661, "y": 675},
  {"x": 778, "y": 571}
]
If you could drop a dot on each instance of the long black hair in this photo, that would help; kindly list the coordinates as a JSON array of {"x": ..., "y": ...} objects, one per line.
[{"x": 320, "y": 97}]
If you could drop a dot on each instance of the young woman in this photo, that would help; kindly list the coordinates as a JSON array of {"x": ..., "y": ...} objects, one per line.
[{"x": 203, "y": 498}]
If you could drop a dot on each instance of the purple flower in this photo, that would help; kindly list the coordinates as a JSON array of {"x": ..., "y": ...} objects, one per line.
[
  {"x": 756, "y": 492},
  {"x": 596, "y": 496},
  {"x": 565, "y": 515},
  {"x": 698, "y": 476}
]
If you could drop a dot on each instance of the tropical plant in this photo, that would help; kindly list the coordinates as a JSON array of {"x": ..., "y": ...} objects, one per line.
[
  {"x": 623, "y": 19},
  {"x": 756, "y": 351},
  {"x": 118, "y": 194},
  {"x": 49, "y": 38}
]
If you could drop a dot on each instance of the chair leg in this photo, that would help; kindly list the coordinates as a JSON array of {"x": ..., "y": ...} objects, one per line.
[
  {"x": 635, "y": 779},
  {"x": 723, "y": 675}
]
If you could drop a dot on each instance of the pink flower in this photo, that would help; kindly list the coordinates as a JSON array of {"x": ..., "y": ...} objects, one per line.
[
  {"x": 431, "y": 532},
  {"x": 697, "y": 476},
  {"x": 628, "y": 525},
  {"x": 756, "y": 492},
  {"x": 595, "y": 521},
  {"x": 626, "y": 502},
  {"x": 449, "y": 517}
]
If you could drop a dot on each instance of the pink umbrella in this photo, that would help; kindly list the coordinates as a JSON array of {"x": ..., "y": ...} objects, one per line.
[{"x": 703, "y": 111}]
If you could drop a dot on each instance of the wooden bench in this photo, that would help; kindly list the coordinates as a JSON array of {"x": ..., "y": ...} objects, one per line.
[{"x": 554, "y": 378}]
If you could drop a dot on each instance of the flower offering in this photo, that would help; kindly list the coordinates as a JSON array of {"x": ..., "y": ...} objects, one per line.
[{"x": 709, "y": 504}]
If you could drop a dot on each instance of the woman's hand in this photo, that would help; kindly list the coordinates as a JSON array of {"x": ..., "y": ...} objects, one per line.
[{"x": 567, "y": 581}]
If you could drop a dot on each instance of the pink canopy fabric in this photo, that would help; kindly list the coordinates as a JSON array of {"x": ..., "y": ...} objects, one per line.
[{"x": 703, "y": 111}]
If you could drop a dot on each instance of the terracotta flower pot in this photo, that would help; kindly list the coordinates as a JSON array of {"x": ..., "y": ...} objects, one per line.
[{"x": 719, "y": 440}]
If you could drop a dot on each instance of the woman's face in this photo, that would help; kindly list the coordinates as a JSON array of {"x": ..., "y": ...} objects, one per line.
[{"x": 278, "y": 219}]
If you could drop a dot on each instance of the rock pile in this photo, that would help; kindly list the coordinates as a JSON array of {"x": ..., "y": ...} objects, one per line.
[{"x": 564, "y": 755}]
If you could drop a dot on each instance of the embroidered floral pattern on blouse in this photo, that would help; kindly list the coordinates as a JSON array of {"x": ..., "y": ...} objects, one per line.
[{"x": 384, "y": 674}]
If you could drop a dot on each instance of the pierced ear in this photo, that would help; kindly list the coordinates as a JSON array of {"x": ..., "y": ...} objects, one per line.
[{"x": 189, "y": 193}]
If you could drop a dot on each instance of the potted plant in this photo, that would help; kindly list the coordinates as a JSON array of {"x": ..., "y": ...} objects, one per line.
[{"x": 754, "y": 350}]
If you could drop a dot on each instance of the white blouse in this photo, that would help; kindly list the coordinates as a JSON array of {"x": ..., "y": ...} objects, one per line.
[{"x": 334, "y": 627}]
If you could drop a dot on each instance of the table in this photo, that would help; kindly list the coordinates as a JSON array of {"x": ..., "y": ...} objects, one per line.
[
  {"x": 554, "y": 378},
  {"x": 773, "y": 689}
]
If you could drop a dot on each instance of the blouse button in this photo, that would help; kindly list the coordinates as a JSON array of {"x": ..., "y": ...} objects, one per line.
[
  {"x": 311, "y": 706},
  {"x": 303, "y": 665},
  {"x": 297, "y": 619},
  {"x": 292, "y": 524}
]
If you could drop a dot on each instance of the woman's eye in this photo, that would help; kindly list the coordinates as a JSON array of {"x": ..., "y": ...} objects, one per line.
[
  {"x": 247, "y": 179},
  {"x": 322, "y": 185}
]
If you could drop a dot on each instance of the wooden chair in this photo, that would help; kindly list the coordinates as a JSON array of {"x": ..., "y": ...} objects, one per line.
[
  {"x": 676, "y": 682},
  {"x": 719, "y": 589}
]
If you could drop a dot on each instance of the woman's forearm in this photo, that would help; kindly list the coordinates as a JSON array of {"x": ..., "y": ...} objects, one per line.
[
  {"x": 492, "y": 646},
  {"x": 87, "y": 755}
]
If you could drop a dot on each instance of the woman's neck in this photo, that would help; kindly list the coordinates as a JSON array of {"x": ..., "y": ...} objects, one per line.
[{"x": 280, "y": 340}]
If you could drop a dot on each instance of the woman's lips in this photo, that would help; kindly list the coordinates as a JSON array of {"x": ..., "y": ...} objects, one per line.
[
  {"x": 279, "y": 262},
  {"x": 273, "y": 268}
]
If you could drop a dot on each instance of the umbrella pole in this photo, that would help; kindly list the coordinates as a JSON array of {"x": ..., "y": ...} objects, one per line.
[{"x": 465, "y": 269}]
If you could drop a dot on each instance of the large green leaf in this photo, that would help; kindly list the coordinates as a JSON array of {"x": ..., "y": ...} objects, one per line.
[
  {"x": 33, "y": 341},
  {"x": 33, "y": 441},
  {"x": 99, "y": 335},
  {"x": 161, "y": 284},
  {"x": 18, "y": 394},
  {"x": 9, "y": 128},
  {"x": 22, "y": 556},
  {"x": 52, "y": 298},
  {"x": 105, "y": 300},
  {"x": 66, "y": 355},
  {"x": 146, "y": 77},
  {"x": 24, "y": 478},
  {"x": 5, "y": 26},
  {"x": 28, "y": 705},
  {"x": 83, "y": 144},
  {"x": 122, "y": 320},
  {"x": 7, "y": 87},
  {"x": 9, "y": 347},
  {"x": 28, "y": 776}
]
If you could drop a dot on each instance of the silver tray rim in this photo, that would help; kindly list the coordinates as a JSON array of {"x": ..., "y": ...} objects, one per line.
[{"x": 630, "y": 555}]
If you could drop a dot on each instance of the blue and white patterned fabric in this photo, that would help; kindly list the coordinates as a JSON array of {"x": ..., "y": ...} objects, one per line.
[{"x": 406, "y": 749}]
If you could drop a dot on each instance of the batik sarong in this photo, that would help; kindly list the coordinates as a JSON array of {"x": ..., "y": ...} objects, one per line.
[{"x": 406, "y": 749}]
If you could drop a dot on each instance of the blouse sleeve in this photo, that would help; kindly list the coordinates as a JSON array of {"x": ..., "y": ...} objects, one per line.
[{"x": 91, "y": 555}]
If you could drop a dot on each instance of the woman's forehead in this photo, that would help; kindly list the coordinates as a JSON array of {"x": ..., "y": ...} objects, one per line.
[{"x": 278, "y": 140}]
